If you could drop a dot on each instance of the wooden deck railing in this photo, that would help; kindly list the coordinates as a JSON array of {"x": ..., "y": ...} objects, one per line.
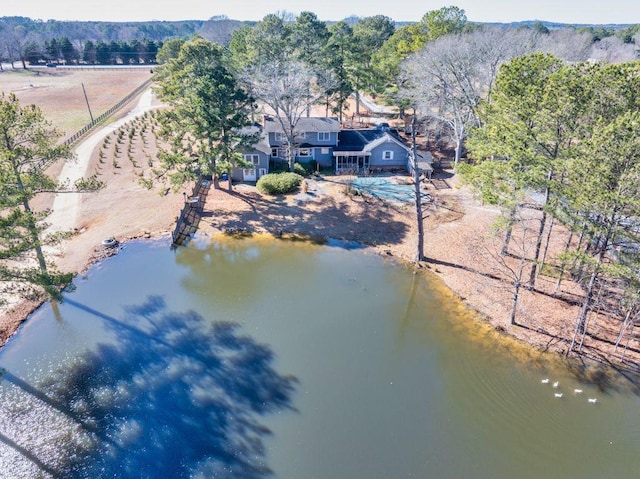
[{"x": 189, "y": 219}]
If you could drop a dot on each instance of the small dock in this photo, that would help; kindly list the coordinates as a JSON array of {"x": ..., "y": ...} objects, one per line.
[{"x": 189, "y": 219}]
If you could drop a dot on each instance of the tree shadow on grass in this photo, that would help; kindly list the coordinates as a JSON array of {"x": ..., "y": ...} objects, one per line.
[
  {"x": 174, "y": 396},
  {"x": 367, "y": 220}
]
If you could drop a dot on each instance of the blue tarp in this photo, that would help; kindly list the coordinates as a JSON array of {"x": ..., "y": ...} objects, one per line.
[{"x": 384, "y": 189}]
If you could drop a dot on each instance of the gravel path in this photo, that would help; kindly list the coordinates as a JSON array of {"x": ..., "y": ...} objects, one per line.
[{"x": 67, "y": 205}]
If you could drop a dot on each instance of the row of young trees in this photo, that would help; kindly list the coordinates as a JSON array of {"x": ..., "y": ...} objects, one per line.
[{"x": 61, "y": 50}]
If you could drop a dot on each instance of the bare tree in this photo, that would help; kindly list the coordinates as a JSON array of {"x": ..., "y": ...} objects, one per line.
[
  {"x": 448, "y": 77},
  {"x": 20, "y": 41},
  {"x": 512, "y": 267},
  {"x": 613, "y": 50},
  {"x": 567, "y": 44},
  {"x": 287, "y": 89}
]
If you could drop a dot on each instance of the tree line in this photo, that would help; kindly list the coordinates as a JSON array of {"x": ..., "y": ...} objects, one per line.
[
  {"x": 25, "y": 41},
  {"x": 62, "y": 51},
  {"x": 569, "y": 132}
]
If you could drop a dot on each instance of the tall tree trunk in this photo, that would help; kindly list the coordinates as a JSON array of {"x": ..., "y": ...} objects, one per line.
[
  {"x": 546, "y": 245},
  {"x": 418, "y": 193},
  {"x": 508, "y": 232},
  {"x": 574, "y": 263},
  {"x": 516, "y": 288},
  {"x": 543, "y": 224},
  {"x": 589, "y": 316},
  {"x": 586, "y": 302},
  {"x": 536, "y": 253},
  {"x": 31, "y": 223},
  {"x": 623, "y": 327},
  {"x": 458, "y": 152},
  {"x": 564, "y": 264},
  {"x": 514, "y": 302}
]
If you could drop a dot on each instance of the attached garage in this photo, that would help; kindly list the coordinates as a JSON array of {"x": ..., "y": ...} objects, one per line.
[{"x": 249, "y": 174}]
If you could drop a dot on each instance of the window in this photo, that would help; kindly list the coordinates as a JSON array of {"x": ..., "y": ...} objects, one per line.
[
  {"x": 305, "y": 152},
  {"x": 387, "y": 155},
  {"x": 280, "y": 137},
  {"x": 253, "y": 159},
  {"x": 274, "y": 152},
  {"x": 324, "y": 136},
  {"x": 324, "y": 151}
]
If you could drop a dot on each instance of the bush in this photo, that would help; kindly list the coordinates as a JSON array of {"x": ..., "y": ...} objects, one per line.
[
  {"x": 278, "y": 183},
  {"x": 300, "y": 169}
]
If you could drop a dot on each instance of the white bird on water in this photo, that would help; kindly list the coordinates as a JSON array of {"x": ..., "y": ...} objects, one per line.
[
  {"x": 558, "y": 395},
  {"x": 593, "y": 400},
  {"x": 577, "y": 391},
  {"x": 545, "y": 381},
  {"x": 556, "y": 384}
]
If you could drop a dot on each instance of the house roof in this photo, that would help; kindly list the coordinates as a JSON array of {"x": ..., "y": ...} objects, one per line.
[
  {"x": 310, "y": 124},
  {"x": 262, "y": 144},
  {"x": 367, "y": 139}
]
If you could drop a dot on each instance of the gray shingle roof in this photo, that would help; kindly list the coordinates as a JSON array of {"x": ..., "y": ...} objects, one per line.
[
  {"x": 311, "y": 124},
  {"x": 358, "y": 140}
]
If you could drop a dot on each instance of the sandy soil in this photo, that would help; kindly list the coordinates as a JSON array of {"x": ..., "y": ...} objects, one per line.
[{"x": 459, "y": 244}]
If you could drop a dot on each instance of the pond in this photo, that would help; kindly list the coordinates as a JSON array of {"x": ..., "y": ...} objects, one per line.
[{"x": 262, "y": 358}]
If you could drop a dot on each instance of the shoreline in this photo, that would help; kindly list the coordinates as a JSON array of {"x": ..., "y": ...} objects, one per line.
[{"x": 450, "y": 236}]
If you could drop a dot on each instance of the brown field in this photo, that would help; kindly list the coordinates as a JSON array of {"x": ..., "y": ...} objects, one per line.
[{"x": 58, "y": 91}]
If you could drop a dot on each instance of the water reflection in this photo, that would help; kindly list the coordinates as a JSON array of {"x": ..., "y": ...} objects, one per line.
[
  {"x": 395, "y": 378},
  {"x": 175, "y": 396}
]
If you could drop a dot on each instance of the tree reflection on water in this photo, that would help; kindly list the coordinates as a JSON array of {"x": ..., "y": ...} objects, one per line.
[{"x": 174, "y": 396}]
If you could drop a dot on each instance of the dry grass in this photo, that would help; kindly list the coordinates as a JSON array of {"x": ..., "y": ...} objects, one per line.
[{"x": 58, "y": 92}]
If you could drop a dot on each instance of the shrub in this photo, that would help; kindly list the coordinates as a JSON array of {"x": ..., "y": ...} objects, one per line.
[
  {"x": 300, "y": 169},
  {"x": 312, "y": 166},
  {"x": 278, "y": 183}
]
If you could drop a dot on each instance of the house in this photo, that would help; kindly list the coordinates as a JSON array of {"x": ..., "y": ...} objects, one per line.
[
  {"x": 257, "y": 155},
  {"x": 320, "y": 139},
  {"x": 370, "y": 149},
  {"x": 315, "y": 138}
]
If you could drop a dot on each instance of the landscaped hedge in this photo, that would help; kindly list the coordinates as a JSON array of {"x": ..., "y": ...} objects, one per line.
[{"x": 278, "y": 183}]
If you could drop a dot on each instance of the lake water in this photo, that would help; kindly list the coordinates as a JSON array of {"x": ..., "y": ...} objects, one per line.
[{"x": 259, "y": 358}]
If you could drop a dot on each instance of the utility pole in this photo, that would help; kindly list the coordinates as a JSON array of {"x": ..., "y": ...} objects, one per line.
[
  {"x": 418, "y": 193},
  {"x": 87, "y": 100}
]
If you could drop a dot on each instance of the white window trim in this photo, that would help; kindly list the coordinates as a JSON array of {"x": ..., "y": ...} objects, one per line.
[
  {"x": 387, "y": 155},
  {"x": 280, "y": 137},
  {"x": 324, "y": 136},
  {"x": 310, "y": 152},
  {"x": 252, "y": 158}
]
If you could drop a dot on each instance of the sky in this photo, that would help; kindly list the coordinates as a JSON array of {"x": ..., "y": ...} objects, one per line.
[{"x": 562, "y": 11}]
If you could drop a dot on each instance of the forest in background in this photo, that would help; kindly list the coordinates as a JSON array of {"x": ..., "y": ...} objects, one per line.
[{"x": 29, "y": 41}]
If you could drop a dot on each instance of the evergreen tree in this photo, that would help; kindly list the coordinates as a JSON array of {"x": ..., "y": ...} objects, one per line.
[
  {"x": 28, "y": 146},
  {"x": 209, "y": 111}
]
